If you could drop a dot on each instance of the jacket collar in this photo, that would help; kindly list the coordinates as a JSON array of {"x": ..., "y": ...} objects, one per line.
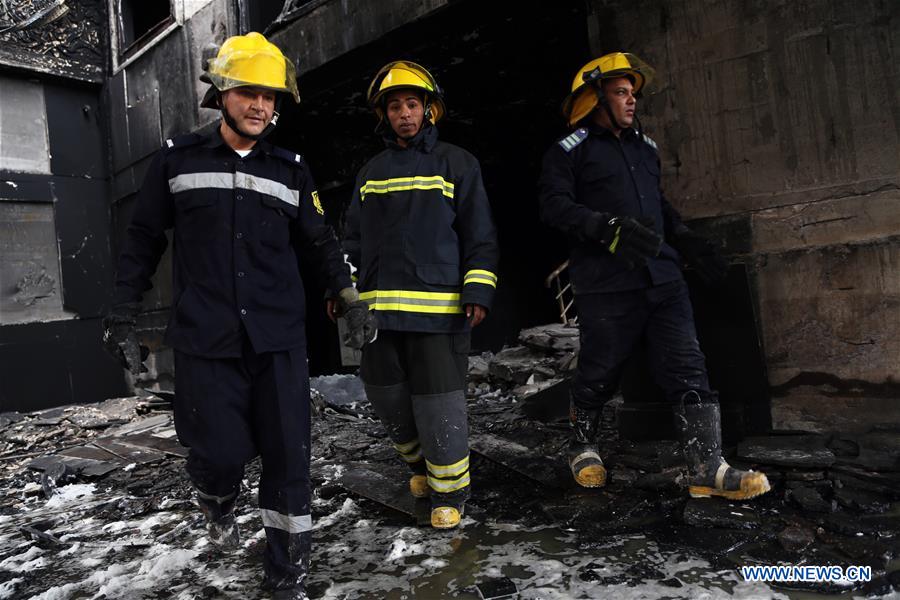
[
  {"x": 215, "y": 140},
  {"x": 423, "y": 141},
  {"x": 600, "y": 130}
]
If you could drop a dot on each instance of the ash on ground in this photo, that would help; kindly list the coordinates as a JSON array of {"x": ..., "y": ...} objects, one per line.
[{"x": 96, "y": 504}]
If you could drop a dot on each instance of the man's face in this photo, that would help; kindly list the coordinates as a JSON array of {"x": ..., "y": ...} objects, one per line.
[
  {"x": 250, "y": 107},
  {"x": 620, "y": 95},
  {"x": 405, "y": 112}
]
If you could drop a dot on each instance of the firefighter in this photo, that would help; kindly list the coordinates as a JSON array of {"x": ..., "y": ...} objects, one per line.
[
  {"x": 241, "y": 211},
  {"x": 600, "y": 186},
  {"x": 419, "y": 230}
]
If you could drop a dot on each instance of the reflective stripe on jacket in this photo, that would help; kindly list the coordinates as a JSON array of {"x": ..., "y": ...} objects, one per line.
[
  {"x": 239, "y": 225},
  {"x": 419, "y": 230}
]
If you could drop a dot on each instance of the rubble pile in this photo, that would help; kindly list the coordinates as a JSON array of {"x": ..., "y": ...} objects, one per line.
[{"x": 95, "y": 502}]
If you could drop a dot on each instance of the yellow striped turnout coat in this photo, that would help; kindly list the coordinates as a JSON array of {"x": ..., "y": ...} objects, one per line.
[{"x": 420, "y": 235}]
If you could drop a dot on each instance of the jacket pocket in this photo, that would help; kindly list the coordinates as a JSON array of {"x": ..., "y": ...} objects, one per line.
[
  {"x": 446, "y": 275},
  {"x": 274, "y": 221},
  {"x": 196, "y": 217}
]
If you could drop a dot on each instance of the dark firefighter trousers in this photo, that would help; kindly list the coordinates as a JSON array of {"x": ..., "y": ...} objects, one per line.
[
  {"x": 612, "y": 324},
  {"x": 416, "y": 383},
  {"x": 228, "y": 411}
]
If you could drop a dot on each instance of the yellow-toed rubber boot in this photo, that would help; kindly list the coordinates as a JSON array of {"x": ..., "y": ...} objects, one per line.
[
  {"x": 587, "y": 467},
  {"x": 418, "y": 486},
  {"x": 699, "y": 427},
  {"x": 445, "y": 517},
  {"x": 731, "y": 483}
]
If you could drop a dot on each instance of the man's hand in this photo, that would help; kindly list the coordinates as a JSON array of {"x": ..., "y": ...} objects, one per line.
[
  {"x": 475, "y": 313},
  {"x": 120, "y": 338},
  {"x": 624, "y": 237},
  {"x": 361, "y": 323},
  {"x": 331, "y": 309},
  {"x": 703, "y": 256}
]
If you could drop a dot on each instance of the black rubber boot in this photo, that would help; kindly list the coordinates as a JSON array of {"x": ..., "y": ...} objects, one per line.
[
  {"x": 584, "y": 460},
  {"x": 699, "y": 426},
  {"x": 221, "y": 526}
]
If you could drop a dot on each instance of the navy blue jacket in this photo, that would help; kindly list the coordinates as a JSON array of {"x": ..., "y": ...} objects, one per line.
[
  {"x": 420, "y": 231},
  {"x": 591, "y": 170},
  {"x": 239, "y": 225}
]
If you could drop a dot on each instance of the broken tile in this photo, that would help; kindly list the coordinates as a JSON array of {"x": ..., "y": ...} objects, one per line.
[
  {"x": 391, "y": 489},
  {"x": 127, "y": 452},
  {"x": 860, "y": 500},
  {"x": 795, "y": 539},
  {"x": 554, "y": 337},
  {"x": 786, "y": 450},
  {"x": 810, "y": 499}
]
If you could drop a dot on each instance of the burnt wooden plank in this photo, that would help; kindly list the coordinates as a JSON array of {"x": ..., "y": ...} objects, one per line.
[
  {"x": 388, "y": 489},
  {"x": 522, "y": 460},
  {"x": 129, "y": 453}
]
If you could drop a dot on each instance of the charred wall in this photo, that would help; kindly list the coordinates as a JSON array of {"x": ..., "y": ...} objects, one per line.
[
  {"x": 54, "y": 220},
  {"x": 779, "y": 125}
]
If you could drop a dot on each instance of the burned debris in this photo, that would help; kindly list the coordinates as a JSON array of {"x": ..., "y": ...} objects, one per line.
[{"x": 106, "y": 482}]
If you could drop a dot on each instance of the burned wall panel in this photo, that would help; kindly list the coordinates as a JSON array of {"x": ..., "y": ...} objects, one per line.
[
  {"x": 29, "y": 264},
  {"x": 785, "y": 118},
  {"x": 830, "y": 332},
  {"x": 331, "y": 28},
  {"x": 71, "y": 45},
  {"x": 23, "y": 127}
]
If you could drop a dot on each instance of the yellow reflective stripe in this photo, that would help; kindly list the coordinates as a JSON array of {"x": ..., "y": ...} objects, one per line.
[
  {"x": 485, "y": 281},
  {"x": 444, "y": 303},
  {"x": 443, "y": 486},
  {"x": 480, "y": 276},
  {"x": 407, "y": 447},
  {"x": 454, "y": 470},
  {"x": 401, "y": 184},
  {"x": 409, "y": 294},
  {"x": 487, "y": 274},
  {"x": 443, "y": 310}
]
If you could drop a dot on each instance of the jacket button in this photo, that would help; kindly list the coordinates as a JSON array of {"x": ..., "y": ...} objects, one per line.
[
  {"x": 240, "y": 197},
  {"x": 243, "y": 311},
  {"x": 241, "y": 273},
  {"x": 632, "y": 168},
  {"x": 239, "y": 235}
]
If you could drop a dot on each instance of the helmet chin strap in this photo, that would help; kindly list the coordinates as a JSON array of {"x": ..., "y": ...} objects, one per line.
[{"x": 232, "y": 124}]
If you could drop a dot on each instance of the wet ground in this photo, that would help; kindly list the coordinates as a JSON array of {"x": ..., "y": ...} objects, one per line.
[{"x": 123, "y": 526}]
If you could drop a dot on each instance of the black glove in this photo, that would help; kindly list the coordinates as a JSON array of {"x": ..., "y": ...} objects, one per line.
[
  {"x": 361, "y": 323},
  {"x": 703, "y": 256},
  {"x": 120, "y": 338},
  {"x": 624, "y": 237}
]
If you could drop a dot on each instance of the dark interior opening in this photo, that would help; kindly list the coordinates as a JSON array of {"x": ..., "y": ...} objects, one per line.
[{"x": 140, "y": 20}]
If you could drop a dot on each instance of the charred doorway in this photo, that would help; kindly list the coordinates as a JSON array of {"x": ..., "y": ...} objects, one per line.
[{"x": 505, "y": 69}]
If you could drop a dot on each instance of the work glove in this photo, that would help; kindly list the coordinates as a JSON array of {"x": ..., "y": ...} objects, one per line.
[
  {"x": 120, "y": 338},
  {"x": 626, "y": 238},
  {"x": 362, "y": 327},
  {"x": 703, "y": 256}
]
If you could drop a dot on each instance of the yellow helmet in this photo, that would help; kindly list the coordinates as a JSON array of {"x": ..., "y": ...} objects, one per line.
[
  {"x": 405, "y": 74},
  {"x": 250, "y": 60},
  {"x": 583, "y": 99}
]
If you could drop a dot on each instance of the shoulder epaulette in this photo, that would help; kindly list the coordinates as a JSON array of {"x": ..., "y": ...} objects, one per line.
[
  {"x": 291, "y": 157},
  {"x": 180, "y": 141},
  {"x": 649, "y": 141},
  {"x": 569, "y": 142}
]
